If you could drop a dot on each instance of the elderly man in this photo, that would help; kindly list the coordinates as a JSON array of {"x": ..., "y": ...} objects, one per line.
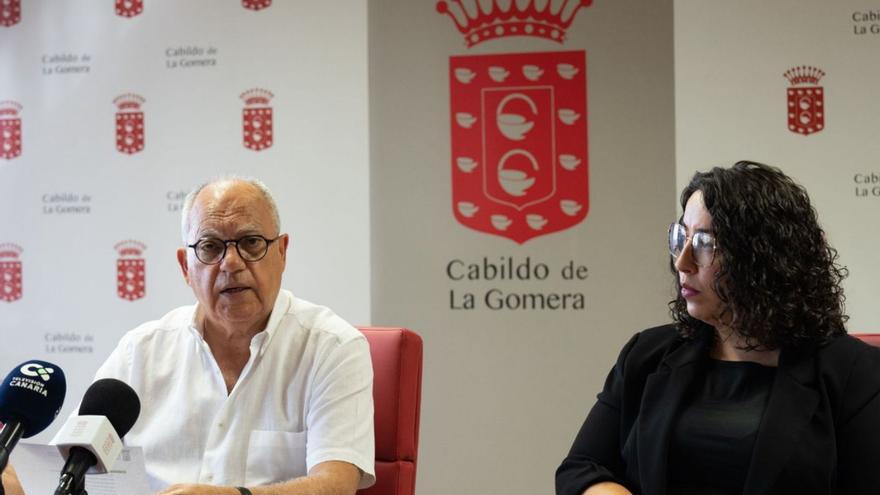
[{"x": 251, "y": 390}]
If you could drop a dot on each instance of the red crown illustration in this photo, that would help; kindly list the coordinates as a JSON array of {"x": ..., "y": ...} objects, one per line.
[
  {"x": 478, "y": 25},
  {"x": 10, "y": 108},
  {"x": 129, "y": 101},
  {"x": 10, "y": 251},
  {"x": 256, "y": 96},
  {"x": 803, "y": 74},
  {"x": 130, "y": 248}
]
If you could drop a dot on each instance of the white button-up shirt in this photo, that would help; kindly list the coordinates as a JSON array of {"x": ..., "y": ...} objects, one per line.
[{"x": 304, "y": 397}]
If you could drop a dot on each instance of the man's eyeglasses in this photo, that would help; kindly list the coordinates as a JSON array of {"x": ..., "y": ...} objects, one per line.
[
  {"x": 210, "y": 250},
  {"x": 702, "y": 244}
]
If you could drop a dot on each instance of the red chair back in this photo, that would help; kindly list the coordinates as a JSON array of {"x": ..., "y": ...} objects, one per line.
[
  {"x": 397, "y": 392},
  {"x": 870, "y": 338}
]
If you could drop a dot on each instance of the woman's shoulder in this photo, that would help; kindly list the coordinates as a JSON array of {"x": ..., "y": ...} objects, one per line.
[
  {"x": 850, "y": 368},
  {"x": 847, "y": 351},
  {"x": 660, "y": 335},
  {"x": 661, "y": 338},
  {"x": 649, "y": 346}
]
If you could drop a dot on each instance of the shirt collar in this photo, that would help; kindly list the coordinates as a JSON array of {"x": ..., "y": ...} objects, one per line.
[{"x": 282, "y": 304}]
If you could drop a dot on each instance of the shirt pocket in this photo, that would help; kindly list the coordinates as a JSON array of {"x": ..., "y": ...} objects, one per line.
[{"x": 275, "y": 456}]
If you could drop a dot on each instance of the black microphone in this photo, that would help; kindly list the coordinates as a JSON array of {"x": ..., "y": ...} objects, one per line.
[
  {"x": 31, "y": 396},
  {"x": 93, "y": 438}
]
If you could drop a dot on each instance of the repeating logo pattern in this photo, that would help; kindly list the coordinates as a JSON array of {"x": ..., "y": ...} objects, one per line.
[
  {"x": 256, "y": 4},
  {"x": 129, "y": 8},
  {"x": 257, "y": 119},
  {"x": 806, "y": 100},
  {"x": 129, "y": 123},
  {"x": 10, "y": 272},
  {"x": 543, "y": 19},
  {"x": 519, "y": 142},
  {"x": 10, "y": 12},
  {"x": 10, "y": 129},
  {"x": 130, "y": 270}
]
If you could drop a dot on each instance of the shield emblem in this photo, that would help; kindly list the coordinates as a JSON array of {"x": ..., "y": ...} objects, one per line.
[
  {"x": 257, "y": 128},
  {"x": 10, "y": 137},
  {"x": 130, "y": 132},
  {"x": 130, "y": 278},
  {"x": 10, "y": 12},
  {"x": 256, "y": 4},
  {"x": 10, "y": 280},
  {"x": 130, "y": 270},
  {"x": 806, "y": 109},
  {"x": 10, "y": 271},
  {"x": 129, "y": 8},
  {"x": 519, "y": 142}
]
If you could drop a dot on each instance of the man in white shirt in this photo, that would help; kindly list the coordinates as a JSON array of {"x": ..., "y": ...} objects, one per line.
[{"x": 251, "y": 390}]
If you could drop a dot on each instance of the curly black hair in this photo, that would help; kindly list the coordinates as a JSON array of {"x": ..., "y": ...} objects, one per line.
[{"x": 778, "y": 277}]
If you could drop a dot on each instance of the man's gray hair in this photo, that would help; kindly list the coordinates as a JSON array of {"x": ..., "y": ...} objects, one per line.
[{"x": 257, "y": 183}]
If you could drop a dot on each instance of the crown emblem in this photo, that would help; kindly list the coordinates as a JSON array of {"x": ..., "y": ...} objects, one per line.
[
  {"x": 130, "y": 248},
  {"x": 9, "y": 108},
  {"x": 528, "y": 19},
  {"x": 9, "y": 250},
  {"x": 803, "y": 74},
  {"x": 129, "y": 102},
  {"x": 256, "y": 97}
]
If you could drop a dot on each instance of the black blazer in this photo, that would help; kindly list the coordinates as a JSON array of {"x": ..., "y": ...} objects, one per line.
[{"x": 820, "y": 432}]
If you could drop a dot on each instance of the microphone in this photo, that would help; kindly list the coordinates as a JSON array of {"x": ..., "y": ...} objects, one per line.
[
  {"x": 31, "y": 396},
  {"x": 93, "y": 438}
]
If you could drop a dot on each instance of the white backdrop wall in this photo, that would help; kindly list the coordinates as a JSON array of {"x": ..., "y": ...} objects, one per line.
[
  {"x": 732, "y": 103},
  {"x": 364, "y": 161},
  {"x": 70, "y": 197}
]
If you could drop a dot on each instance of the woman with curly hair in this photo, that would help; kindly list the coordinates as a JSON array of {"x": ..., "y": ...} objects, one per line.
[{"x": 755, "y": 388}]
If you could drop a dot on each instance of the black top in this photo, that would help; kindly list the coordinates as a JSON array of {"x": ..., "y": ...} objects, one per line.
[
  {"x": 712, "y": 441},
  {"x": 819, "y": 433}
]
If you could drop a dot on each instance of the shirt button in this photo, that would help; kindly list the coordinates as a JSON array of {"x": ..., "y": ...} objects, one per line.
[
  {"x": 208, "y": 477},
  {"x": 219, "y": 425}
]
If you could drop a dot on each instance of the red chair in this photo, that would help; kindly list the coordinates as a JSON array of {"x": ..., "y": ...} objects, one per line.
[
  {"x": 397, "y": 392},
  {"x": 870, "y": 338}
]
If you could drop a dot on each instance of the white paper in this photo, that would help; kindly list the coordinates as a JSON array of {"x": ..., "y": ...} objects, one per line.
[{"x": 38, "y": 467}]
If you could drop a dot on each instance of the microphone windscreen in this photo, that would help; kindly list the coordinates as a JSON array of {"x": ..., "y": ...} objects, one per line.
[
  {"x": 114, "y": 399},
  {"x": 32, "y": 394}
]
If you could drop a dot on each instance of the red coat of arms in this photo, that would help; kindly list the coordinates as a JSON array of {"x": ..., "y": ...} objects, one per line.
[
  {"x": 10, "y": 129},
  {"x": 519, "y": 142},
  {"x": 129, "y": 8},
  {"x": 130, "y": 270},
  {"x": 10, "y": 272},
  {"x": 129, "y": 123},
  {"x": 806, "y": 100},
  {"x": 256, "y": 4},
  {"x": 257, "y": 119},
  {"x": 10, "y": 12}
]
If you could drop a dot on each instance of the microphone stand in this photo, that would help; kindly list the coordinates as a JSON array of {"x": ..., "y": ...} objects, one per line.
[
  {"x": 10, "y": 433},
  {"x": 70, "y": 485},
  {"x": 81, "y": 487}
]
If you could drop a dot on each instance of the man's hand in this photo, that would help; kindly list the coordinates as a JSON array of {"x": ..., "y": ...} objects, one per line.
[
  {"x": 10, "y": 481},
  {"x": 189, "y": 489},
  {"x": 607, "y": 488},
  {"x": 326, "y": 478}
]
